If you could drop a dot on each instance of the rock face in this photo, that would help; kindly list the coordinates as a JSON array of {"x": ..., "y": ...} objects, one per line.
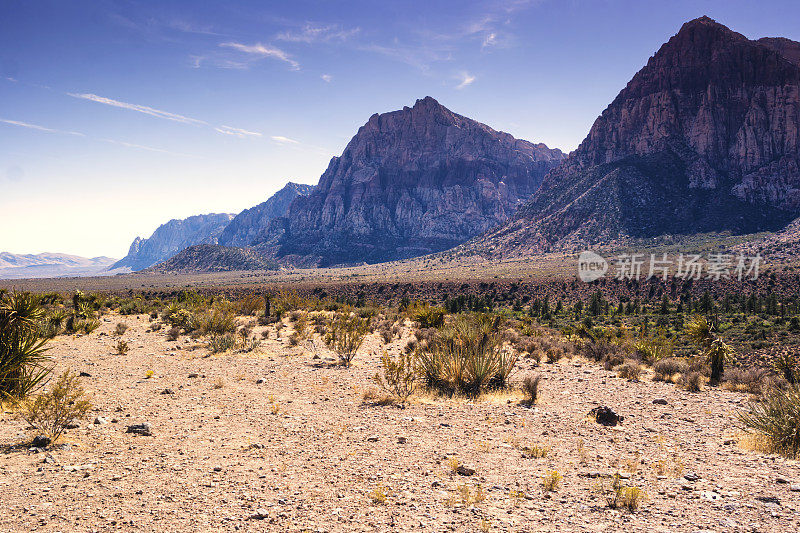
[
  {"x": 704, "y": 138},
  {"x": 171, "y": 238},
  {"x": 249, "y": 226},
  {"x": 410, "y": 182}
]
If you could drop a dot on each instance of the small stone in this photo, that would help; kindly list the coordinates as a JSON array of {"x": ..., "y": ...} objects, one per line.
[
  {"x": 710, "y": 495},
  {"x": 167, "y": 391},
  {"x": 41, "y": 441},
  {"x": 781, "y": 479},
  {"x": 100, "y": 420},
  {"x": 402, "y": 440},
  {"x": 260, "y": 514},
  {"x": 605, "y": 416},
  {"x": 795, "y": 488},
  {"x": 259, "y": 381},
  {"x": 465, "y": 470},
  {"x": 660, "y": 401},
  {"x": 85, "y": 375},
  {"x": 140, "y": 429},
  {"x": 373, "y": 438},
  {"x": 192, "y": 376},
  {"x": 217, "y": 469},
  {"x": 691, "y": 476}
]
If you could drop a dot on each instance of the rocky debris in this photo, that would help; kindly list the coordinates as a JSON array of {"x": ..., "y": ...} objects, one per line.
[
  {"x": 691, "y": 476},
  {"x": 660, "y": 401},
  {"x": 172, "y": 237},
  {"x": 140, "y": 429},
  {"x": 100, "y": 420},
  {"x": 605, "y": 416},
  {"x": 167, "y": 391},
  {"x": 259, "y": 514},
  {"x": 463, "y": 470},
  {"x": 85, "y": 375},
  {"x": 40, "y": 441}
]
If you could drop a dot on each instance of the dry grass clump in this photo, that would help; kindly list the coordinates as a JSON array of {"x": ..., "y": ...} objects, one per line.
[
  {"x": 619, "y": 496},
  {"x": 535, "y": 451},
  {"x": 669, "y": 369},
  {"x": 173, "y": 333},
  {"x": 530, "y": 388},
  {"x": 467, "y": 356},
  {"x": 751, "y": 380},
  {"x": 121, "y": 328},
  {"x": 630, "y": 369},
  {"x": 121, "y": 347},
  {"x": 52, "y": 411},
  {"x": 551, "y": 481},
  {"x": 775, "y": 418},
  {"x": 692, "y": 381}
]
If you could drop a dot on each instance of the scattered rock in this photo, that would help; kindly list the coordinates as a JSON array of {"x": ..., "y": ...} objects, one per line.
[
  {"x": 100, "y": 420},
  {"x": 260, "y": 514},
  {"x": 402, "y": 440},
  {"x": 769, "y": 499},
  {"x": 691, "y": 476},
  {"x": 192, "y": 376},
  {"x": 259, "y": 381},
  {"x": 795, "y": 488},
  {"x": 85, "y": 375},
  {"x": 781, "y": 479},
  {"x": 465, "y": 470},
  {"x": 605, "y": 416},
  {"x": 140, "y": 429},
  {"x": 710, "y": 495},
  {"x": 167, "y": 391},
  {"x": 660, "y": 401},
  {"x": 373, "y": 438},
  {"x": 41, "y": 441}
]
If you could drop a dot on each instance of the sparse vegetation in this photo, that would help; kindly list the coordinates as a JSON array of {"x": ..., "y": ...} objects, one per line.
[
  {"x": 551, "y": 481},
  {"x": 530, "y": 388},
  {"x": 121, "y": 347},
  {"x": 398, "y": 376},
  {"x": 52, "y": 411},
  {"x": 345, "y": 334},
  {"x": 23, "y": 357},
  {"x": 775, "y": 417}
]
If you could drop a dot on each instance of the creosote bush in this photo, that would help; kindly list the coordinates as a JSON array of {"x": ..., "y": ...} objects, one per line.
[
  {"x": 121, "y": 347},
  {"x": 51, "y": 412},
  {"x": 398, "y": 376},
  {"x": 530, "y": 388},
  {"x": 619, "y": 496},
  {"x": 345, "y": 334}
]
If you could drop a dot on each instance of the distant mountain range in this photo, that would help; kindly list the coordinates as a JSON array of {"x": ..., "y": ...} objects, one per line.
[
  {"x": 705, "y": 138},
  {"x": 50, "y": 265}
]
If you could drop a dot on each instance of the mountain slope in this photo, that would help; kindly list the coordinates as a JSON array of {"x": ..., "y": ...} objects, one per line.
[
  {"x": 214, "y": 258},
  {"x": 172, "y": 237},
  {"x": 249, "y": 226},
  {"x": 410, "y": 182},
  {"x": 47, "y": 265},
  {"x": 703, "y": 138}
]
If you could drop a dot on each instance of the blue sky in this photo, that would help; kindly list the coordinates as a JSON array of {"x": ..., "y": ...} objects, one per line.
[{"x": 116, "y": 116}]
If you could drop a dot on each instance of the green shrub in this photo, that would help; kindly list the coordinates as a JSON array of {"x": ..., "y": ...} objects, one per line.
[
  {"x": 23, "y": 361},
  {"x": 216, "y": 321},
  {"x": 345, "y": 334},
  {"x": 776, "y": 418},
  {"x": 398, "y": 377},
  {"x": 427, "y": 315},
  {"x": 788, "y": 364},
  {"x": 222, "y": 343},
  {"x": 53, "y": 411}
]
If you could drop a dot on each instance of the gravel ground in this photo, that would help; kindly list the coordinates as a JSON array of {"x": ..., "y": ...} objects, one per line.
[{"x": 302, "y": 451}]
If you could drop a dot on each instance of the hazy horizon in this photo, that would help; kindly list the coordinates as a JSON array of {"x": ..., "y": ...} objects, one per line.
[{"x": 117, "y": 117}]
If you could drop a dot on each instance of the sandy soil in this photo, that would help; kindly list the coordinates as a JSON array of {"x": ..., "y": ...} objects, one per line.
[{"x": 301, "y": 451}]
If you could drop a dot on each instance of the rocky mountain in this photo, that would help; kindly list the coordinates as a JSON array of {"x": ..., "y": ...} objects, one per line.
[
  {"x": 50, "y": 265},
  {"x": 250, "y": 225},
  {"x": 704, "y": 138},
  {"x": 410, "y": 182},
  {"x": 214, "y": 258},
  {"x": 172, "y": 237}
]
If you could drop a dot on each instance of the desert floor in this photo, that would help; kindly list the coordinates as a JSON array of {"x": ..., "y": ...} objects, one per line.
[{"x": 302, "y": 451}]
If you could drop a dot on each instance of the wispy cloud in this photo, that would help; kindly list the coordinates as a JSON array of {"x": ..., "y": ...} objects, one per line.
[
  {"x": 467, "y": 79},
  {"x": 11, "y": 79},
  {"x": 283, "y": 140},
  {"x": 147, "y": 148},
  {"x": 262, "y": 50},
  {"x": 39, "y": 128},
  {"x": 311, "y": 33},
  {"x": 327, "y": 78},
  {"x": 237, "y": 132},
  {"x": 138, "y": 108}
]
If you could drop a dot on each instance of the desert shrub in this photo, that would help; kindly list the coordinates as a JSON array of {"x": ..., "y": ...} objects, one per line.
[
  {"x": 692, "y": 381},
  {"x": 530, "y": 388},
  {"x": 23, "y": 358},
  {"x": 776, "y": 418},
  {"x": 121, "y": 347},
  {"x": 551, "y": 481},
  {"x": 650, "y": 350},
  {"x": 89, "y": 325},
  {"x": 250, "y": 305},
  {"x": 788, "y": 364},
  {"x": 221, "y": 343},
  {"x": 752, "y": 380},
  {"x": 173, "y": 333},
  {"x": 301, "y": 325},
  {"x": 345, "y": 334},
  {"x": 466, "y": 357},
  {"x": 51, "y": 412},
  {"x": 619, "y": 496},
  {"x": 53, "y": 324},
  {"x": 398, "y": 376},
  {"x": 426, "y": 315},
  {"x": 294, "y": 339},
  {"x": 217, "y": 321},
  {"x": 121, "y": 328},
  {"x": 716, "y": 352},
  {"x": 250, "y": 345},
  {"x": 554, "y": 355},
  {"x": 666, "y": 368},
  {"x": 630, "y": 369}
]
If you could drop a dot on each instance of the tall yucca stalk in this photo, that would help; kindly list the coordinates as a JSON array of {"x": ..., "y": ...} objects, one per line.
[
  {"x": 716, "y": 352},
  {"x": 22, "y": 352}
]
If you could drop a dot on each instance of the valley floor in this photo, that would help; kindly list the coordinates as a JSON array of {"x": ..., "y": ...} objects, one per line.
[{"x": 302, "y": 450}]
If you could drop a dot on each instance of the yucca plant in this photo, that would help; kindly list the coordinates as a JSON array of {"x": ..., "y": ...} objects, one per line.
[
  {"x": 23, "y": 356},
  {"x": 715, "y": 351},
  {"x": 776, "y": 417}
]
